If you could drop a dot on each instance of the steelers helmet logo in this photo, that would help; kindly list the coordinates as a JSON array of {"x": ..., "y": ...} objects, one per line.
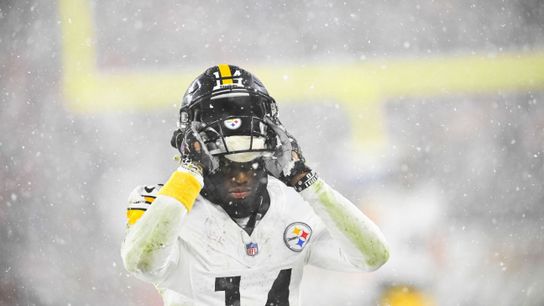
[
  {"x": 297, "y": 235},
  {"x": 233, "y": 123}
]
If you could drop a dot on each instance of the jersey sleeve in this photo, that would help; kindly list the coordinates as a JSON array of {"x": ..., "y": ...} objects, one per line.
[
  {"x": 154, "y": 218},
  {"x": 350, "y": 240}
]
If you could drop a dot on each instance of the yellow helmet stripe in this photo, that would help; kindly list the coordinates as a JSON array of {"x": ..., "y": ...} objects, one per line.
[{"x": 224, "y": 72}]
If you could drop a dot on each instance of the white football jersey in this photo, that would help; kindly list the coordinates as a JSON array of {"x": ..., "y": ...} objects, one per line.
[{"x": 214, "y": 261}]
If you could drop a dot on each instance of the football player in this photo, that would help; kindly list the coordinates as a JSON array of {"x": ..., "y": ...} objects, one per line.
[{"x": 243, "y": 213}]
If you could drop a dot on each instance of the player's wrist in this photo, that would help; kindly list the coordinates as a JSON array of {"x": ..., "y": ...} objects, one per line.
[
  {"x": 192, "y": 167},
  {"x": 304, "y": 180},
  {"x": 298, "y": 171}
]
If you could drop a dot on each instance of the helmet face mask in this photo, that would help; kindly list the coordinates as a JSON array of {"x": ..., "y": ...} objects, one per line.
[
  {"x": 253, "y": 137},
  {"x": 230, "y": 107}
]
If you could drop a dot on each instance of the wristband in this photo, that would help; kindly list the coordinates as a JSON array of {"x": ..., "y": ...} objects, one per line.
[
  {"x": 306, "y": 181},
  {"x": 184, "y": 187}
]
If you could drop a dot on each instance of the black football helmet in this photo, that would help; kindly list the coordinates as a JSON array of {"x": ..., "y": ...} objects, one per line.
[{"x": 230, "y": 104}]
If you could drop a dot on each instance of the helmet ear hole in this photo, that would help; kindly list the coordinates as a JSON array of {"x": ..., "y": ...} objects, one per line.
[
  {"x": 183, "y": 122},
  {"x": 273, "y": 109}
]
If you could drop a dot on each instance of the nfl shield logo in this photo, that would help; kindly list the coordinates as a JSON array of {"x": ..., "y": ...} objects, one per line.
[{"x": 252, "y": 249}]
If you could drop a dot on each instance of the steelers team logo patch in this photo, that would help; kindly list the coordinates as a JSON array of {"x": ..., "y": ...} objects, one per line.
[
  {"x": 297, "y": 235},
  {"x": 233, "y": 123}
]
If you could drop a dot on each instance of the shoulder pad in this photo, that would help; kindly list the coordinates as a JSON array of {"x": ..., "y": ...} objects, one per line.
[
  {"x": 140, "y": 199},
  {"x": 144, "y": 194}
]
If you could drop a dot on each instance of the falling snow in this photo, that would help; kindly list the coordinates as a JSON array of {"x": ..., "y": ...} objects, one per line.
[{"x": 452, "y": 175}]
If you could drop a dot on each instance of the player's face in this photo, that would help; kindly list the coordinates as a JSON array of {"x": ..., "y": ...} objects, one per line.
[{"x": 238, "y": 186}]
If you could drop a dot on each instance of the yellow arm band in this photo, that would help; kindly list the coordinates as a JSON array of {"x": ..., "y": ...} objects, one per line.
[{"x": 183, "y": 187}]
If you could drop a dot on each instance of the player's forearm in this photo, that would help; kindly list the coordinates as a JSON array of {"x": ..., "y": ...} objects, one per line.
[
  {"x": 362, "y": 239},
  {"x": 150, "y": 242}
]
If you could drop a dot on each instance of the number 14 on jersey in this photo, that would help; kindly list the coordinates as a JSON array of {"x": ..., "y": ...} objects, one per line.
[{"x": 277, "y": 295}]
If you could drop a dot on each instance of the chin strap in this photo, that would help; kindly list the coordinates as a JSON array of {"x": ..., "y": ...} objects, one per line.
[{"x": 258, "y": 213}]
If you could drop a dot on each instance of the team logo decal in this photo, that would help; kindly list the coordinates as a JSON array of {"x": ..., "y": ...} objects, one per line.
[
  {"x": 252, "y": 249},
  {"x": 297, "y": 235},
  {"x": 233, "y": 123}
]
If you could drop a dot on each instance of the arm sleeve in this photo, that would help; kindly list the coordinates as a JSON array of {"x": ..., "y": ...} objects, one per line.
[
  {"x": 151, "y": 245},
  {"x": 351, "y": 241}
]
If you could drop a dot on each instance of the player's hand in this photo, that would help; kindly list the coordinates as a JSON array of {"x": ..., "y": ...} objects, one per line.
[
  {"x": 287, "y": 164},
  {"x": 193, "y": 149}
]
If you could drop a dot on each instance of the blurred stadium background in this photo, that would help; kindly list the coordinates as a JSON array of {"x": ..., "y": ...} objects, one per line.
[{"x": 429, "y": 115}]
